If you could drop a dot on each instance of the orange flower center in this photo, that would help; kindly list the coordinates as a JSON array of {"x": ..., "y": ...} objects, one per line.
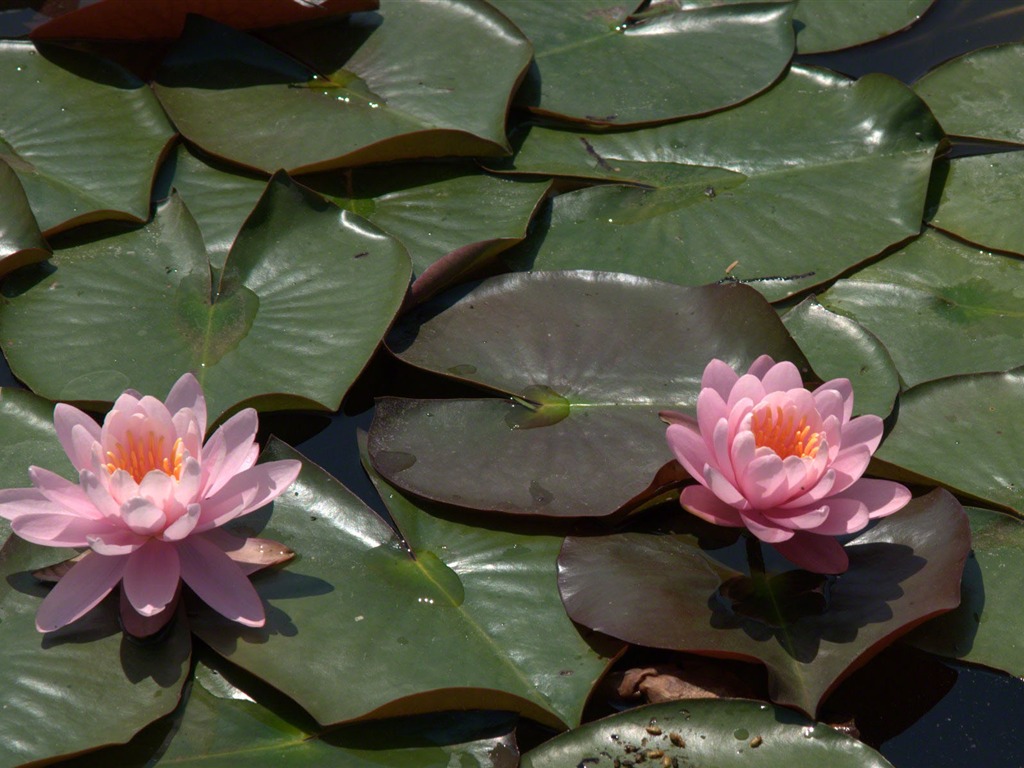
[
  {"x": 775, "y": 429},
  {"x": 144, "y": 454}
]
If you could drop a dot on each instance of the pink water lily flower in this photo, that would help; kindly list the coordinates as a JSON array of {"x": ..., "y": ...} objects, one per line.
[
  {"x": 781, "y": 461},
  {"x": 148, "y": 505}
]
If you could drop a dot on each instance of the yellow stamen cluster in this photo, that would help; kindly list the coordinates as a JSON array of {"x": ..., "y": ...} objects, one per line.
[
  {"x": 144, "y": 454},
  {"x": 777, "y": 431}
]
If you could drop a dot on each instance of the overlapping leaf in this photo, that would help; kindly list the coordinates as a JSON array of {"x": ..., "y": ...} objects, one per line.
[
  {"x": 83, "y": 135},
  {"x": 940, "y": 307},
  {"x": 726, "y": 734},
  {"x": 595, "y": 62},
  {"x": 905, "y": 569},
  {"x": 751, "y": 192},
  {"x": 825, "y": 25},
  {"x": 585, "y": 362},
  {"x": 21, "y": 242},
  {"x": 374, "y": 98},
  {"x": 430, "y": 621},
  {"x": 304, "y": 298}
]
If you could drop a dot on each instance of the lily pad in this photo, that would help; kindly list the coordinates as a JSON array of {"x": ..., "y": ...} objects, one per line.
[
  {"x": 840, "y": 347},
  {"x": 307, "y": 286},
  {"x": 961, "y": 432},
  {"x": 83, "y": 135},
  {"x": 634, "y": 586},
  {"x": 83, "y": 686},
  {"x": 825, "y": 25},
  {"x": 981, "y": 200},
  {"x": 420, "y": 621},
  {"x": 940, "y": 307},
  {"x": 723, "y": 733},
  {"x": 747, "y": 194},
  {"x": 21, "y": 242},
  {"x": 379, "y": 100},
  {"x": 978, "y": 95},
  {"x": 585, "y": 361},
  {"x": 597, "y": 62},
  {"x": 985, "y": 628}
]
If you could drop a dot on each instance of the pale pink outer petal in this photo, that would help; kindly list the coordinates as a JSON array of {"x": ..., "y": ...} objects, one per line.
[
  {"x": 763, "y": 479},
  {"x": 719, "y": 376},
  {"x": 720, "y": 450},
  {"x": 151, "y": 577},
  {"x": 820, "y": 554},
  {"x": 227, "y": 450},
  {"x": 699, "y": 501},
  {"x": 762, "y": 527},
  {"x": 710, "y": 410},
  {"x": 829, "y": 402},
  {"x": 864, "y": 430},
  {"x": 761, "y": 366},
  {"x": 819, "y": 491},
  {"x": 122, "y": 542},
  {"x": 158, "y": 420},
  {"x": 845, "y": 390},
  {"x": 186, "y": 490},
  {"x": 782, "y": 377},
  {"x": 157, "y": 488},
  {"x": 81, "y": 588},
  {"x": 63, "y": 492},
  {"x": 143, "y": 517},
  {"x": 16, "y": 502},
  {"x": 805, "y": 519},
  {"x": 97, "y": 493},
  {"x": 719, "y": 485},
  {"x": 881, "y": 497},
  {"x": 184, "y": 525},
  {"x": 248, "y": 491},
  {"x": 844, "y": 516},
  {"x": 59, "y": 530},
  {"x": 689, "y": 448},
  {"x": 219, "y": 582},
  {"x": 742, "y": 451},
  {"x": 849, "y": 466},
  {"x": 187, "y": 393},
  {"x": 65, "y": 418},
  {"x": 748, "y": 387}
]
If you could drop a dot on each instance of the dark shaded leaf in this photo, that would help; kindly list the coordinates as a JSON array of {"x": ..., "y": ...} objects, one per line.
[{"x": 825, "y": 25}]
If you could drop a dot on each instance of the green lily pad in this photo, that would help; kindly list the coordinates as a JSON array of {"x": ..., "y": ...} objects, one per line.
[
  {"x": 422, "y": 621},
  {"x": 748, "y": 194},
  {"x": 723, "y": 733},
  {"x": 635, "y": 586},
  {"x": 982, "y": 199},
  {"x": 83, "y": 686},
  {"x": 21, "y": 242},
  {"x": 940, "y": 307},
  {"x": 978, "y": 95},
  {"x": 985, "y": 628},
  {"x": 307, "y": 287},
  {"x": 83, "y": 135},
  {"x": 825, "y": 25},
  {"x": 961, "y": 432},
  {"x": 598, "y": 63},
  {"x": 585, "y": 362},
  {"x": 839, "y": 347},
  {"x": 379, "y": 100},
  {"x": 451, "y": 217}
]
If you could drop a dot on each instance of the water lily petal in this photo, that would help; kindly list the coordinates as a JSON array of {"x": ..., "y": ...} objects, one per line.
[
  {"x": 219, "y": 582},
  {"x": 850, "y": 465},
  {"x": 881, "y": 497},
  {"x": 99, "y": 494},
  {"x": 227, "y": 450},
  {"x": 186, "y": 490},
  {"x": 719, "y": 376},
  {"x": 142, "y": 516},
  {"x": 764, "y": 528},
  {"x": 248, "y": 491},
  {"x": 62, "y": 492},
  {"x": 720, "y": 450},
  {"x": 761, "y": 366},
  {"x": 719, "y": 485},
  {"x": 140, "y": 626},
  {"x": 711, "y": 409},
  {"x": 820, "y": 554},
  {"x": 81, "y": 588},
  {"x": 184, "y": 525},
  {"x": 16, "y": 502},
  {"x": 59, "y": 530},
  {"x": 782, "y": 377},
  {"x": 252, "y": 554},
  {"x": 158, "y": 488},
  {"x": 689, "y": 448},
  {"x": 844, "y": 516},
  {"x": 842, "y": 408},
  {"x": 120, "y": 542},
  {"x": 819, "y": 491},
  {"x": 151, "y": 577},
  {"x": 65, "y": 419},
  {"x": 701, "y": 502},
  {"x": 188, "y": 394},
  {"x": 803, "y": 519},
  {"x": 764, "y": 478},
  {"x": 747, "y": 386},
  {"x": 864, "y": 430}
]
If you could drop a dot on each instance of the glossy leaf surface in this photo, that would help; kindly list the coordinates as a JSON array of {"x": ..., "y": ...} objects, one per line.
[
  {"x": 825, "y": 25},
  {"x": 750, "y": 193},
  {"x": 421, "y": 623},
  {"x": 905, "y": 569},
  {"x": 585, "y": 361},
  {"x": 21, "y": 242}
]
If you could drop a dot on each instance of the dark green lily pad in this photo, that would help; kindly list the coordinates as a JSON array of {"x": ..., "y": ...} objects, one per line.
[
  {"x": 750, "y": 193},
  {"x": 982, "y": 199},
  {"x": 635, "y": 586},
  {"x": 83, "y": 135},
  {"x": 978, "y": 95},
  {"x": 825, "y": 25},
  {"x": 723, "y": 733},
  {"x": 428, "y": 621},
  {"x": 585, "y": 361},
  {"x": 380, "y": 99},
  {"x": 83, "y": 686},
  {"x": 839, "y": 347},
  {"x": 306, "y": 286},
  {"x": 21, "y": 242},
  {"x": 596, "y": 62},
  {"x": 940, "y": 307},
  {"x": 961, "y": 432},
  {"x": 985, "y": 628}
]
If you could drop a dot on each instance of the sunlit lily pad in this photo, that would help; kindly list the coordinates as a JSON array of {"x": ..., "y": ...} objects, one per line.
[
  {"x": 827, "y": 25},
  {"x": 726, "y": 734},
  {"x": 428, "y": 621},
  {"x": 81, "y": 687},
  {"x": 306, "y": 294},
  {"x": 839, "y": 347},
  {"x": 83, "y": 135},
  {"x": 21, "y": 242},
  {"x": 978, "y": 94},
  {"x": 940, "y": 307},
  {"x": 981, "y": 201},
  {"x": 635, "y": 586},
  {"x": 595, "y": 62},
  {"x": 380, "y": 99},
  {"x": 985, "y": 628},
  {"x": 750, "y": 193},
  {"x": 963, "y": 432}
]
